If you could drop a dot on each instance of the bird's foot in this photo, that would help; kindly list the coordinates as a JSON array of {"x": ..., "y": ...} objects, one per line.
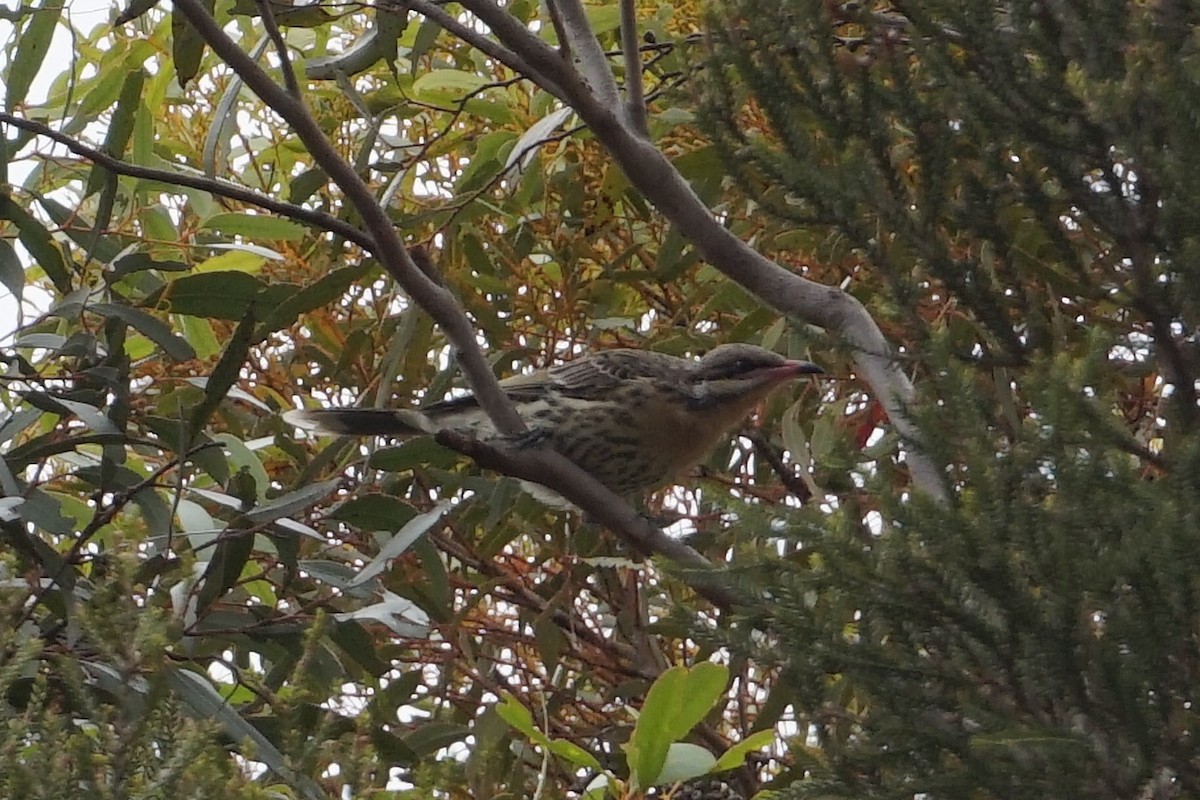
[{"x": 534, "y": 437}]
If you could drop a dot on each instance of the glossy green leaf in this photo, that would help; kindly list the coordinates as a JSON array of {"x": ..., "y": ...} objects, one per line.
[
  {"x": 793, "y": 434},
  {"x": 44, "y": 511},
  {"x": 292, "y": 502},
  {"x": 242, "y": 458},
  {"x": 678, "y": 699},
  {"x": 198, "y": 692},
  {"x": 153, "y": 329},
  {"x": 326, "y": 290},
  {"x": 359, "y": 644},
  {"x": 335, "y": 573},
  {"x": 225, "y": 374},
  {"x": 255, "y": 226},
  {"x": 402, "y": 540},
  {"x": 12, "y": 274},
  {"x": 306, "y": 184},
  {"x": 187, "y": 46},
  {"x": 239, "y": 258},
  {"x": 88, "y": 414},
  {"x": 229, "y": 559},
  {"x": 420, "y": 452},
  {"x": 526, "y": 146},
  {"x": 216, "y": 295},
  {"x": 120, "y": 127},
  {"x": 551, "y": 641},
  {"x": 684, "y": 762},
  {"x": 156, "y": 513},
  {"x": 825, "y": 435},
  {"x": 136, "y": 262},
  {"x": 516, "y": 714},
  {"x": 199, "y": 334},
  {"x": 33, "y": 44},
  {"x": 735, "y": 756},
  {"x": 485, "y": 163},
  {"x": 447, "y": 82},
  {"x": 197, "y": 524},
  {"x": 574, "y": 754},
  {"x": 99, "y": 95},
  {"x": 80, "y": 230},
  {"x": 423, "y": 41},
  {"x": 16, "y": 422},
  {"x": 435, "y": 591},
  {"x": 37, "y": 240},
  {"x": 375, "y": 512}
]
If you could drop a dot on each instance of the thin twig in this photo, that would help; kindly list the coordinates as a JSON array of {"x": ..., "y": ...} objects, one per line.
[
  {"x": 102, "y": 517},
  {"x": 211, "y": 185},
  {"x": 551, "y": 469},
  {"x": 508, "y": 58},
  {"x": 635, "y": 90},
  {"x": 787, "y": 475},
  {"x": 285, "y": 63}
]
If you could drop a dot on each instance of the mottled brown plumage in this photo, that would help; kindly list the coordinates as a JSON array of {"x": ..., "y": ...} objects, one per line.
[{"x": 632, "y": 418}]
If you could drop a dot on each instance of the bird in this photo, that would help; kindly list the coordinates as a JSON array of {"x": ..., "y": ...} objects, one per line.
[{"x": 634, "y": 419}]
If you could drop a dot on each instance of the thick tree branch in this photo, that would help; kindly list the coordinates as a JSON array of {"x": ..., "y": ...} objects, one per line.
[
  {"x": 438, "y": 301},
  {"x": 215, "y": 187},
  {"x": 587, "y": 56}
]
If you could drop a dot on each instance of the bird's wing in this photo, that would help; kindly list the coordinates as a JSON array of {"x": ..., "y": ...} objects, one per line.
[
  {"x": 526, "y": 388},
  {"x": 590, "y": 376},
  {"x": 598, "y": 373},
  {"x": 519, "y": 388}
]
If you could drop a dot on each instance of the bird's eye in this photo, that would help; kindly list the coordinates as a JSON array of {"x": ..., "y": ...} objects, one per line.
[{"x": 740, "y": 366}]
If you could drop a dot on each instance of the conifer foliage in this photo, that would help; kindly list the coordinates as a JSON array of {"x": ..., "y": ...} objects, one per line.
[{"x": 1019, "y": 181}]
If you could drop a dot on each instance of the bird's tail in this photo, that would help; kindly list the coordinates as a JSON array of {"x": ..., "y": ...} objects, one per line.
[{"x": 361, "y": 421}]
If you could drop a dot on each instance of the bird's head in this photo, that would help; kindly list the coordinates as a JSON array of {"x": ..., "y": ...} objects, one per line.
[{"x": 743, "y": 373}]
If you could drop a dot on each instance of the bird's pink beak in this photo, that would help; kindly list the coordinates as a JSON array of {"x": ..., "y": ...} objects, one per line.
[{"x": 793, "y": 369}]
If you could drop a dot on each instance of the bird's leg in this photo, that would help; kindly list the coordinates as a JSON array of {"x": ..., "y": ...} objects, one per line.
[{"x": 534, "y": 437}]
